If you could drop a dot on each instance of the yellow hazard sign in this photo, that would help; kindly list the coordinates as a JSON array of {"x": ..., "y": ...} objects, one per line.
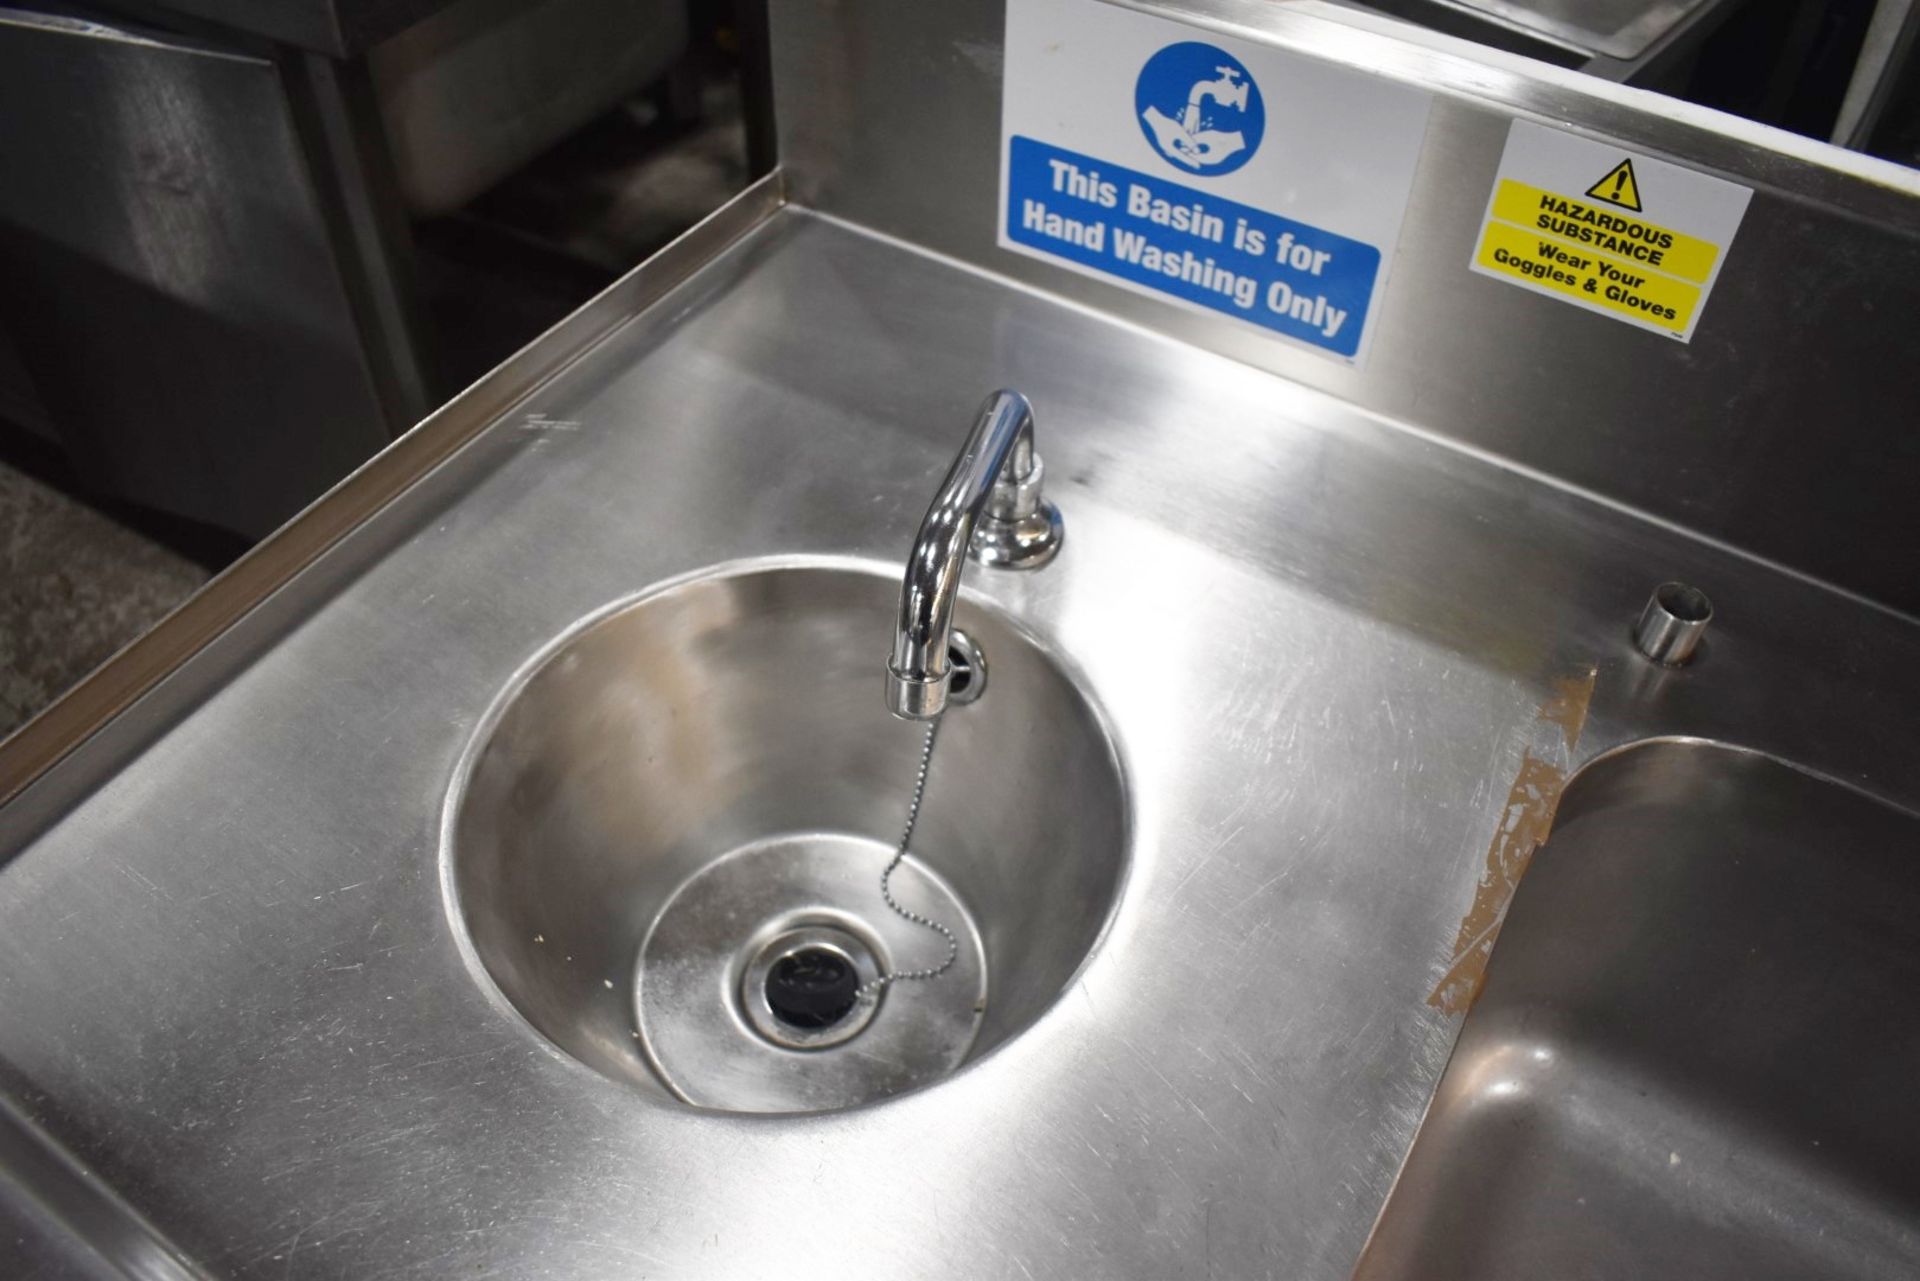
[
  {"x": 1584, "y": 223},
  {"x": 1643, "y": 244},
  {"x": 1618, "y": 187},
  {"x": 1587, "y": 276}
]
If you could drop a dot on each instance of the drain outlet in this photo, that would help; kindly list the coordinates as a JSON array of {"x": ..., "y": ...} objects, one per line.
[
  {"x": 800, "y": 990},
  {"x": 812, "y": 989},
  {"x": 969, "y": 667}
]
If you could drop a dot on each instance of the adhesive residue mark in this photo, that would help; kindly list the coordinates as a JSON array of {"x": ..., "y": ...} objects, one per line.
[
  {"x": 1524, "y": 825},
  {"x": 1572, "y": 695}
]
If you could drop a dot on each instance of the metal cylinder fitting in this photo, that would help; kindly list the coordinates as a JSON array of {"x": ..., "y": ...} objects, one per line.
[{"x": 1672, "y": 624}]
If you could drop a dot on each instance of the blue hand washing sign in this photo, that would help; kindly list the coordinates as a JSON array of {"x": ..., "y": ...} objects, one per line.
[
  {"x": 1137, "y": 149},
  {"x": 1199, "y": 108},
  {"x": 1281, "y": 274}
]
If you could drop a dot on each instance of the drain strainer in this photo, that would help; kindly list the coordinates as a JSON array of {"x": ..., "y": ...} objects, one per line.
[
  {"x": 745, "y": 996},
  {"x": 802, "y": 989}
]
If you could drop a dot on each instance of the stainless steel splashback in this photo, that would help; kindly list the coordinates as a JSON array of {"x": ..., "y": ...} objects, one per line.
[{"x": 1786, "y": 427}]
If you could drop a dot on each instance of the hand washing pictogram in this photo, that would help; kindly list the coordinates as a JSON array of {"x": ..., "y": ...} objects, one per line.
[{"x": 1199, "y": 108}]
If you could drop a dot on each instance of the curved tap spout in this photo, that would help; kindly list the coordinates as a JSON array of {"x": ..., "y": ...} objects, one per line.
[{"x": 989, "y": 505}]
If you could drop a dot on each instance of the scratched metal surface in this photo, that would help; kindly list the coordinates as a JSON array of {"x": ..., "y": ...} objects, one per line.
[{"x": 227, "y": 978}]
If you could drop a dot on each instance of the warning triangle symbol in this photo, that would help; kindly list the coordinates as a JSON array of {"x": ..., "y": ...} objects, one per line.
[{"x": 1619, "y": 187}]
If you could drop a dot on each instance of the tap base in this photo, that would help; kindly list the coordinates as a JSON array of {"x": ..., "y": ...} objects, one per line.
[{"x": 1024, "y": 543}]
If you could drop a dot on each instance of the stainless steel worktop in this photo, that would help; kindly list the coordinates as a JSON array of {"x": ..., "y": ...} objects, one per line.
[
  {"x": 1324, "y": 642},
  {"x": 340, "y": 28},
  {"x": 1616, "y": 28}
]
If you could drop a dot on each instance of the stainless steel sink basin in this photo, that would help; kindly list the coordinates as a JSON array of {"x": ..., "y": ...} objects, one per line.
[
  {"x": 1697, "y": 1051},
  {"x": 696, "y": 784}
]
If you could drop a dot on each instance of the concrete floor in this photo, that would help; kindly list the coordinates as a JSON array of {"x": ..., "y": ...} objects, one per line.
[{"x": 75, "y": 587}]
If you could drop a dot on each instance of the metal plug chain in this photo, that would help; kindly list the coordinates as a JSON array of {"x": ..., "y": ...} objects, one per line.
[{"x": 874, "y": 986}]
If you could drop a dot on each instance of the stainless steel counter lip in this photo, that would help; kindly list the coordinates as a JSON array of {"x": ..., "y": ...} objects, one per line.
[
  {"x": 483, "y": 729},
  {"x": 111, "y": 689},
  {"x": 120, "y": 32},
  {"x": 83, "y": 1204}
]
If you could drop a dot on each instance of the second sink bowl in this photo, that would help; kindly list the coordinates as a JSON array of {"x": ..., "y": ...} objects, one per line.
[
  {"x": 1695, "y": 1053},
  {"x": 695, "y": 784}
]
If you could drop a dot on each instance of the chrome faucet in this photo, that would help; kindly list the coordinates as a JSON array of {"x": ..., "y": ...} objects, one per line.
[{"x": 989, "y": 506}]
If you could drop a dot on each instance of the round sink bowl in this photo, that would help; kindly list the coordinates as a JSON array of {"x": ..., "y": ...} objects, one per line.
[{"x": 665, "y": 844}]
